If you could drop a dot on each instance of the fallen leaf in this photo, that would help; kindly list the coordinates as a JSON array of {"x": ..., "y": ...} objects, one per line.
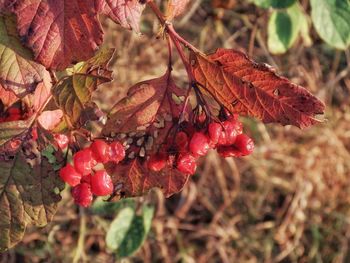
[{"x": 248, "y": 88}]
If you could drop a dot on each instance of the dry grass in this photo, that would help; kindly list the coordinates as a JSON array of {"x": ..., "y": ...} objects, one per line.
[{"x": 288, "y": 202}]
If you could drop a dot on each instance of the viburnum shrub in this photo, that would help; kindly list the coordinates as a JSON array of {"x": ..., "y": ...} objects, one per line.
[{"x": 51, "y": 61}]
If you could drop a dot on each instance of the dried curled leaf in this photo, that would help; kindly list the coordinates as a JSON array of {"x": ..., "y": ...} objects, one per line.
[
  {"x": 18, "y": 72},
  {"x": 176, "y": 8},
  {"x": 146, "y": 120},
  {"x": 59, "y": 32},
  {"x": 73, "y": 94},
  {"x": 29, "y": 191},
  {"x": 248, "y": 88},
  {"x": 127, "y": 13}
]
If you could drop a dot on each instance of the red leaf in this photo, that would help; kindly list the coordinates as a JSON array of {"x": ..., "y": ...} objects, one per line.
[
  {"x": 127, "y": 13},
  {"x": 134, "y": 179},
  {"x": 146, "y": 120},
  {"x": 176, "y": 8},
  {"x": 50, "y": 119},
  {"x": 248, "y": 88},
  {"x": 59, "y": 32}
]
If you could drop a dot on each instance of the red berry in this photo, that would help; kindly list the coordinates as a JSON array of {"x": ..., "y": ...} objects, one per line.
[
  {"x": 116, "y": 152},
  {"x": 61, "y": 140},
  {"x": 100, "y": 150},
  {"x": 186, "y": 163},
  {"x": 238, "y": 126},
  {"x": 69, "y": 175},
  {"x": 84, "y": 161},
  {"x": 157, "y": 162},
  {"x": 82, "y": 194},
  {"x": 101, "y": 183},
  {"x": 181, "y": 141},
  {"x": 86, "y": 179},
  {"x": 231, "y": 132},
  {"x": 199, "y": 144},
  {"x": 244, "y": 144},
  {"x": 214, "y": 130},
  {"x": 228, "y": 151}
]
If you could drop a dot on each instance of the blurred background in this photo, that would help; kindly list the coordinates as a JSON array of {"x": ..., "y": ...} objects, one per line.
[{"x": 287, "y": 202}]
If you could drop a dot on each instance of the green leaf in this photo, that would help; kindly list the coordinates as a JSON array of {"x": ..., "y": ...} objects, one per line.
[
  {"x": 18, "y": 71},
  {"x": 73, "y": 94},
  {"x": 274, "y": 3},
  {"x": 119, "y": 228},
  {"x": 331, "y": 19},
  {"x": 103, "y": 208},
  {"x": 128, "y": 231},
  {"x": 27, "y": 191},
  {"x": 283, "y": 29}
]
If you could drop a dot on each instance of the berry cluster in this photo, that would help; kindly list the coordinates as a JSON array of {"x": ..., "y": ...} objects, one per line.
[
  {"x": 190, "y": 143},
  {"x": 82, "y": 176}
]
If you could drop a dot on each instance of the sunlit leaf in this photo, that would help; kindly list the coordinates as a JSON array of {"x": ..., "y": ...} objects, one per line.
[{"x": 253, "y": 89}]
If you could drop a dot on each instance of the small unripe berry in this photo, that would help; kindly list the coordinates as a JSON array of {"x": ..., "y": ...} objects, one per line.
[
  {"x": 84, "y": 161},
  {"x": 199, "y": 144},
  {"x": 186, "y": 163},
  {"x": 61, "y": 140},
  {"x": 244, "y": 144},
  {"x": 116, "y": 152},
  {"x": 214, "y": 130},
  {"x": 82, "y": 194},
  {"x": 100, "y": 150},
  {"x": 69, "y": 175},
  {"x": 101, "y": 183},
  {"x": 181, "y": 141},
  {"x": 157, "y": 162}
]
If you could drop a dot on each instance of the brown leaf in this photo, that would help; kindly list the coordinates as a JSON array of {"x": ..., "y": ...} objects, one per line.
[
  {"x": 29, "y": 190},
  {"x": 146, "y": 120},
  {"x": 127, "y": 13},
  {"x": 73, "y": 94},
  {"x": 59, "y": 32},
  {"x": 134, "y": 179},
  {"x": 248, "y": 88},
  {"x": 176, "y": 8},
  {"x": 18, "y": 71}
]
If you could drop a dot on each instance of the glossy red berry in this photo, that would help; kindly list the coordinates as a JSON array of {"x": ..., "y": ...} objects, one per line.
[
  {"x": 86, "y": 179},
  {"x": 230, "y": 131},
  {"x": 214, "y": 130},
  {"x": 199, "y": 144},
  {"x": 181, "y": 141},
  {"x": 116, "y": 152},
  {"x": 101, "y": 183},
  {"x": 186, "y": 163},
  {"x": 100, "y": 150},
  {"x": 84, "y": 161},
  {"x": 82, "y": 194},
  {"x": 157, "y": 162},
  {"x": 228, "y": 151},
  {"x": 61, "y": 140},
  {"x": 69, "y": 175},
  {"x": 244, "y": 144}
]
